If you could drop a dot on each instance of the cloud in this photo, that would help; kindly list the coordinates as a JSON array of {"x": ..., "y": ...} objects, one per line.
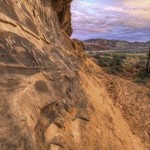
[{"x": 113, "y": 19}]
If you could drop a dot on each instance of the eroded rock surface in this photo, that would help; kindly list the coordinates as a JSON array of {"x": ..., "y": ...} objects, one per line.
[{"x": 50, "y": 95}]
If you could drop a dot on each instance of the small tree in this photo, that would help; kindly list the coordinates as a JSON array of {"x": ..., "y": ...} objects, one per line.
[{"x": 148, "y": 62}]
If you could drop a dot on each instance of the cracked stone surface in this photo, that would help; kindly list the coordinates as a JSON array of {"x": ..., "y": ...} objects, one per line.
[{"x": 50, "y": 95}]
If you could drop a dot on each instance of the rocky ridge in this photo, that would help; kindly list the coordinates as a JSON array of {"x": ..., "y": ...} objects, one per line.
[
  {"x": 52, "y": 97},
  {"x": 124, "y": 46}
]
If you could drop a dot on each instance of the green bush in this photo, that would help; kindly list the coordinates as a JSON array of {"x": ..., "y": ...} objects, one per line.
[
  {"x": 96, "y": 56},
  {"x": 116, "y": 61},
  {"x": 143, "y": 74},
  {"x": 113, "y": 64},
  {"x": 142, "y": 77},
  {"x": 140, "y": 80},
  {"x": 103, "y": 61},
  {"x": 112, "y": 70}
]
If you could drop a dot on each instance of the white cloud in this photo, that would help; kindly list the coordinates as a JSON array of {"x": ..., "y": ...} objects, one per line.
[{"x": 92, "y": 20}]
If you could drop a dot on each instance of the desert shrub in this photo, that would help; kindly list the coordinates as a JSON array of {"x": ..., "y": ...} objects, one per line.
[
  {"x": 96, "y": 56},
  {"x": 123, "y": 56},
  {"x": 106, "y": 54},
  {"x": 143, "y": 74},
  {"x": 113, "y": 65},
  {"x": 133, "y": 56},
  {"x": 91, "y": 53},
  {"x": 103, "y": 62},
  {"x": 140, "y": 80},
  {"x": 114, "y": 70},
  {"x": 116, "y": 61},
  {"x": 120, "y": 55},
  {"x": 141, "y": 57},
  {"x": 140, "y": 64},
  {"x": 142, "y": 77}
]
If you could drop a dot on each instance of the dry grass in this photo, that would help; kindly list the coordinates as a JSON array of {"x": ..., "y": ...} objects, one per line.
[{"x": 126, "y": 65}]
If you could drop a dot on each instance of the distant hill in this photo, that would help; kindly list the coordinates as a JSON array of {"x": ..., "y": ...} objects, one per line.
[{"x": 104, "y": 44}]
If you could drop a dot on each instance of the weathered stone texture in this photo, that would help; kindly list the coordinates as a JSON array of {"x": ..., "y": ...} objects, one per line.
[{"x": 50, "y": 95}]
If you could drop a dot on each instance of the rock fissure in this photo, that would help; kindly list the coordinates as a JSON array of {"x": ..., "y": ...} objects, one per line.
[
  {"x": 50, "y": 94},
  {"x": 32, "y": 34}
]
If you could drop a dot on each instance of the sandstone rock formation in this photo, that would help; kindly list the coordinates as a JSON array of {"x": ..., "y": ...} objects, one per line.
[
  {"x": 51, "y": 97},
  {"x": 62, "y": 7},
  {"x": 77, "y": 44}
]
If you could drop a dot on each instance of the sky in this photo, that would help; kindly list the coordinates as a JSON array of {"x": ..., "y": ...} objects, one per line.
[{"x": 111, "y": 19}]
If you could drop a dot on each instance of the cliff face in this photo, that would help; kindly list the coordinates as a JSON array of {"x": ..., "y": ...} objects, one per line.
[
  {"x": 62, "y": 7},
  {"x": 50, "y": 95},
  {"x": 103, "y": 44}
]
